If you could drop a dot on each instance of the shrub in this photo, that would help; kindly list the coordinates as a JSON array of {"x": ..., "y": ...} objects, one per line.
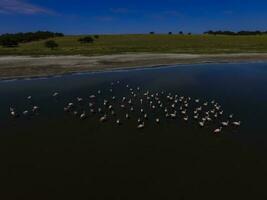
[
  {"x": 87, "y": 39},
  {"x": 51, "y": 44}
]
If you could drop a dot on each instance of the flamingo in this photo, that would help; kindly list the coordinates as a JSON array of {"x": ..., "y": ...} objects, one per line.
[
  {"x": 55, "y": 94},
  {"x": 79, "y": 99},
  {"x": 141, "y": 126},
  {"x": 145, "y": 116},
  {"x": 70, "y": 104},
  {"x": 237, "y": 123},
  {"x": 26, "y": 112},
  {"x": 186, "y": 118},
  {"x": 118, "y": 122},
  {"x": 13, "y": 112},
  {"x": 202, "y": 123},
  {"x": 35, "y": 108},
  {"x": 208, "y": 118},
  {"x": 183, "y": 112},
  {"x": 92, "y": 111},
  {"x": 103, "y": 118},
  {"x": 173, "y": 115},
  {"x": 218, "y": 130},
  {"x": 83, "y": 115},
  {"x": 225, "y": 123}
]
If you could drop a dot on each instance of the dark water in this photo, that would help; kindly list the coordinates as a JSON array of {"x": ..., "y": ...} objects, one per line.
[{"x": 55, "y": 155}]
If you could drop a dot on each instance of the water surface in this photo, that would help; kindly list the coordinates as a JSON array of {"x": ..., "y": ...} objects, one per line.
[{"x": 56, "y": 154}]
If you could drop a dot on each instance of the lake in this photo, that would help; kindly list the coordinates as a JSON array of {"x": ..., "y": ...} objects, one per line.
[{"x": 55, "y": 154}]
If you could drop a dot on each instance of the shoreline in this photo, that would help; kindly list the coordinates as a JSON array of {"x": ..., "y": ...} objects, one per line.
[{"x": 23, "y": 67}]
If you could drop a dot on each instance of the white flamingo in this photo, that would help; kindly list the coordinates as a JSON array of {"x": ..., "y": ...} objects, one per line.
[
  {"x": 83, "y": 115},
  {"x": 13, "y": 112},
  {"x": 103, "y": 118},
  {"x": 237, "y": 123},
  {"x": 140, "y": 126},
  {"x": 118, "y": 122},
  {"x": 35, "y": 109},
  {"x": 202, "y": 123},
  {"x": 186, "y": 118},
  {"x": 55, "y": 94},
  {"x": 225, "y": 123},
  {"x": 218, "y": 130},
  {"x": 26, "y": 112},
  {"x": 79, "y": 99},
  {"x": 145, "y": 116}
]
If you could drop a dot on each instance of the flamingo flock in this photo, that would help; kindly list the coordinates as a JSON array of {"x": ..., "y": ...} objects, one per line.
[{"x": 120, "y": 102}]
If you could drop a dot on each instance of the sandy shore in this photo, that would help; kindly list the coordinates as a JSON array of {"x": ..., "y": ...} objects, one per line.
[{"x": 26, "y": 66}]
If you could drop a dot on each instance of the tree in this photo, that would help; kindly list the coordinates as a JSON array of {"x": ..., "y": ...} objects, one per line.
[
  {"x": 96, "y": 36},
  {"x": 8, "y": 42},
  {"x": 12, "y": 39},
  {"x": 51, "y": 44},
  {"x": 87, "y": 39},
  {"x": 152, "y": 33},
  {"x": 181, "y": 32},
  {"x": 170, "y": 33}
]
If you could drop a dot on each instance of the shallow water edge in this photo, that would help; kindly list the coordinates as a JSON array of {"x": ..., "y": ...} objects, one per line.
[{"x": 122, "y": 69}]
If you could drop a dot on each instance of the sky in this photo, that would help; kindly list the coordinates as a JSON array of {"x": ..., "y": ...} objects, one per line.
[{"x": 131, "y": 16}]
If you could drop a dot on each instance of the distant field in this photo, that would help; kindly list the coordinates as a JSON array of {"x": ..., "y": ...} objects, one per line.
[{"x": 115, "y": 44}]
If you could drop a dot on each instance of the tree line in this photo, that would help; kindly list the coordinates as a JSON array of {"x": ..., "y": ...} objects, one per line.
[
  {"x": 171, "y": 33},
  {"x": 12, "y": 40},
  {"x": 235, "y": 33}
]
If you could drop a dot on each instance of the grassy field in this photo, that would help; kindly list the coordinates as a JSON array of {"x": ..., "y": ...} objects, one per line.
[{"x": 115, "y": 44}]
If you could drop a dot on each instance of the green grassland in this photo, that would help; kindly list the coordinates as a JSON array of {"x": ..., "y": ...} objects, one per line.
[{"x": 116, "y": 44}]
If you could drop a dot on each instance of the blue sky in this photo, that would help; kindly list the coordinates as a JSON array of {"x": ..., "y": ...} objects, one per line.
[{"x": 131, "y": 16}]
